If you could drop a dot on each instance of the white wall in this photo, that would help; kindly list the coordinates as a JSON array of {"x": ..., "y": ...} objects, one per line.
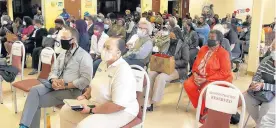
[{"x": 222, "y": 7}]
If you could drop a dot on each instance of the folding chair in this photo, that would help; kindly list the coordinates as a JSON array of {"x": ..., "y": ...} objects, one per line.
[
  {"x": 182, "y": 89},
  {"x": 138, "y": 122},
  {"x": 239, "y": 48},
  {"x": 216, "y": 118},
  {"x": 46, "y": 60},
  {"x": 17, "y": 60}
]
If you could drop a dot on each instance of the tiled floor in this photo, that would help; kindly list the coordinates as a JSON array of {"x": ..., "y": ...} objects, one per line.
[{"x": 164, "y": 115}]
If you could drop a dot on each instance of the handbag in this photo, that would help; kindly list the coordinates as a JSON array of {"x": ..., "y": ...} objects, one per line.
[
  {"x": 162, "y": 63},
  {"x": 264, "y": 95}
]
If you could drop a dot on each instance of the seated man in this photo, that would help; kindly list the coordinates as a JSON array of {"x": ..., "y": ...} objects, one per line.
[
  {"x": 263, "y": 80},
  {"x": 71, "y": 74},
  {"x": 39, "y": 34},
  {"x": 113, "y": 92},
  {"x": 212, "y": 64},
  {"x": 141, "y": 52}
]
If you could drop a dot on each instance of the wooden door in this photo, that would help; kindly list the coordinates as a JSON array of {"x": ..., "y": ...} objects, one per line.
[
  {"x": 73, "y": 7},
  {"x": 155, "y": 6},
  {"x": 185, "y": 7}
]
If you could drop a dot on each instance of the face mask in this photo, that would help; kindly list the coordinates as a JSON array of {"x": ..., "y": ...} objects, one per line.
[
  {"x": 273, "y": 55},
  {"x": 58, "y": 28},
  {"x": 245, "y": 29},
  {"x": 106, "y": 26},
  {"x": 65, "y": 44},
  {"x": 233, "y": 16},
  {"x": 86, "y": 22},
  {"x": 4, "y": 22},
  {"x": 100, "y": 20},
  {"x": 106, "y": 56},
  {"x": 24, "y": 23},
  {"x": 211, "y": 43},
  {"x": 165, "y": 33},
  {"x": 96, "y": 33},
  {"x": 35, "y": 27},
  {"x": 141, "y": 33}
]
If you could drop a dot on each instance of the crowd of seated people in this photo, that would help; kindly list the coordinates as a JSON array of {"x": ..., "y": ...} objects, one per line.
[{"x": 94, "y": 57}]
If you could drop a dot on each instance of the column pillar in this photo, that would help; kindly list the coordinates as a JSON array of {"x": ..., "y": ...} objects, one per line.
[
  {"x": 10, "y": 8},
  {"x": 146, "y": 5},
  {"x": 163, "y": 6},
  {"x": 255, "y": 36},
  {"x": 51, "y": 11}
]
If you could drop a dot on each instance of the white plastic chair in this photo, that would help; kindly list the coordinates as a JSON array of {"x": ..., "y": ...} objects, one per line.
[
  {"x": 16, "y": 52},
  {"x": 134, "y": 67},
  {"x": 241, "y": 124}
]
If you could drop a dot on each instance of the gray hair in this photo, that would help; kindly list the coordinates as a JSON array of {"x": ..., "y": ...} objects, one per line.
[
  {"x": 75, "y": 33},
  {"x": 146, "y": 22},
  {"x": 172, "y": 22}
]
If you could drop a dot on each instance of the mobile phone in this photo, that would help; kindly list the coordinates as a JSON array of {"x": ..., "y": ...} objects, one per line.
[{"x": 77, "y": 108}]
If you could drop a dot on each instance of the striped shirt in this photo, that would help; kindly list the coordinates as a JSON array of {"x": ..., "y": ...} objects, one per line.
[{"x": 267, "y": 66}]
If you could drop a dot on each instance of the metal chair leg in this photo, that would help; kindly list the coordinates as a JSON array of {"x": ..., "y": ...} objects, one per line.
[
  {"x": 45, "y": 118},
  {"x": 188, "y": 105},
  {"x": 14, "y": 99},
  {"x": 246, "y": 121},
  {"x": 179, "y": 98},
  {"x": 1, "y": 92}
]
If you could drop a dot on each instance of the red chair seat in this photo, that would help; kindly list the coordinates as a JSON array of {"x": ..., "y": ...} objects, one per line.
[
  {"x": 217, "y": 119},
  {"x": 26, "y": 85}
]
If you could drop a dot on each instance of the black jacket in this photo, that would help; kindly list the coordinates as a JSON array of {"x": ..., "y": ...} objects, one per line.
[
  {"x": 42, "y": 32},
  {"x": 91, "y": 31}
]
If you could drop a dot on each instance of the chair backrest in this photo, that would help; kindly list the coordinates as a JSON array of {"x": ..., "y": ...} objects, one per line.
[
  {"x": 46, "y": 60},
  {"x": 216, "y": 118},
  {"x": 138, "y": 72},
  {"x": 18, "y": 56}
]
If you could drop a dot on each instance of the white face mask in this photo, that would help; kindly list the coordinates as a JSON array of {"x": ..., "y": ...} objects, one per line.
[
  {"x": 245, "y": 29},
  {"x": 105, "y": 55},
  {"x": 165, "y": 33},
  {"x": 86, "y": 22},
  {"x": 100, "y": 20},
  {"x": 36, "y": 27},
  {"x": 106, "y": 26},
  {"x": 273, "y": 55},
  {"x": 141, "y": 33},
  {"x": 24, "y": 23},
  {"x": 4, "y": 22}
]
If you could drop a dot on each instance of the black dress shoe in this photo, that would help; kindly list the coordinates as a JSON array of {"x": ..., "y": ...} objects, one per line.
[
  {"x": 150, "y": 109},
  {"x": 235, "y": 70}
]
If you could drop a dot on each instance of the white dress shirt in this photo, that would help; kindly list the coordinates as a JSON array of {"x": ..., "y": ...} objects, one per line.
[{"x": 115, "y": 83}]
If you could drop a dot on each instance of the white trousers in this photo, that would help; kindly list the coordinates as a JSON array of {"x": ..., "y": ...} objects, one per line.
[
  {"x": 74, "y": 119},
  {"x": 158, "y": 82}
]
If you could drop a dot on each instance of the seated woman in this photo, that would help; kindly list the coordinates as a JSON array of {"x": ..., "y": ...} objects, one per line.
[
  {"x": 191, "y": 38},
  {"x": 180, "y": 51},
  {"x": 142, "y": 49},
  {"x": 97, "y": 42},
  {"x": 118, "y": 29},
  {"x": 6, "y": 26},
  {"x": 263, "y": 113},
  {"x": 162, "y": 41},
  {"x": 113, "y": 92},
  {"x": 212, "y": 64}
]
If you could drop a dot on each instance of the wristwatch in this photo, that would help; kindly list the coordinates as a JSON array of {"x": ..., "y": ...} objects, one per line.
[
  {"x": 66, "y": 85},
  {"x": 91, "y": 111}
]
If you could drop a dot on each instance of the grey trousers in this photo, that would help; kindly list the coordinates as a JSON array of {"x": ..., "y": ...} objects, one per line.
[
  {"x": 42, "y": 97},
  {"x": 261, "y": 114}
]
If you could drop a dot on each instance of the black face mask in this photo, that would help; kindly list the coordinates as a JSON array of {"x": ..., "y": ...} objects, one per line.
[
  {"x": 174, "y": 41},
  {"x": 211, "y": 43},
  {"x": 65, "y": 44},
  {"x": 58, "y": 28}
]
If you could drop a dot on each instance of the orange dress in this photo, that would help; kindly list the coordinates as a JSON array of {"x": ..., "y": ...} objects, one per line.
[{"x": 217, "y": 68}]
